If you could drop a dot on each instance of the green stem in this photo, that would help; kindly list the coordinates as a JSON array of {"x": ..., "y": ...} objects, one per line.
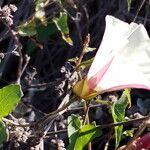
[
  {"x": 86, "y": 110},
  {"x": 86, "y": 119}
]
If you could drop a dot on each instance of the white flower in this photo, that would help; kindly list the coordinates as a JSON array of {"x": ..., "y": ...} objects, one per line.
[{"x": 122, "y": 60}]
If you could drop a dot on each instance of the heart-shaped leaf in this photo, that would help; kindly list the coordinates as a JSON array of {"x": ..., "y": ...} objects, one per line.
[
  {"x": 80, "y": 136},
  {"x": 9, "y": 98},
  {"x": 118, "y": 114}
]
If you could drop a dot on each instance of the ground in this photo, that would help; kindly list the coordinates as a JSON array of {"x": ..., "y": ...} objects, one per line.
[{"x": 46, "y": 74}]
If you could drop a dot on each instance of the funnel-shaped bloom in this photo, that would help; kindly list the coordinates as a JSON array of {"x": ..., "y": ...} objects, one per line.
[{"x": 122, "y": 60}]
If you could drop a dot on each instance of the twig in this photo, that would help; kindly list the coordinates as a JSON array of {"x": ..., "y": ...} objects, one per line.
[
  {"x": 54, "y": 114},
  {"x": 14, "y": 123},
  {"x": 27, "y": 59},
  {"x": 32, "y": 107},
  {"x": 139, "y": 10},
  {"x": 85, "y": 46},
  {"x": 105, "y": 125},
  {"x": 10, "y": 122},
  {"x": 123, "y": 122},
  {"x": 81, "y": 108},
  {"x": 147, "y": 12},
  {"x": 47, "y": 117},
  {"x": 53, "y": 133},
  {"x": 57, "y": 132},
  {"x": 86, "y": 118},
  {"x": 40, "y": 85}
]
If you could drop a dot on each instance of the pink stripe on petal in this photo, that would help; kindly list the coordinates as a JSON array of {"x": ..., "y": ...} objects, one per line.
[
  {"x": 121, "y": 87},
  {"x": 94, "y": 80}
]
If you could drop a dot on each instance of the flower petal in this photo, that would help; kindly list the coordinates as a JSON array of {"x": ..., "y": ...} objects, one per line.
[
  {"x": 123, "y": 59},
  {"x": 121, "y": 75},
  {"x": 111, "y": 41}
]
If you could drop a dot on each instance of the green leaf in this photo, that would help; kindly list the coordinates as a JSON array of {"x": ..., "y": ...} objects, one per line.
[
  {"x": 9, "y": 98},
  {"x": 3, "y": 135},
  {"x": 89, "y": 49},
  {"x": 129, "y": 132},
  {"x": 61, "y": 22},
  {"x": 67, "y": 38},
  {"x": 118, "y": 114},
  {"x": 40, "y": 11},
  {"x": 79, "y": 137},
  {"x": 31, "y": 47},
  {"x": 86, "y": 63},
  {"x": 74, "y": 125},
  {"x": 127, "y": 92},
  {"x": 104, "y": 102},
  {"x": 62, "y": 26},
  {"x": 28, "y": 28},
  {"x": 44, "y": 32},
  {"x": 74, "y": 60},
  {"x": 86, "y": 134},
  {"x": 129, "y": 4}
]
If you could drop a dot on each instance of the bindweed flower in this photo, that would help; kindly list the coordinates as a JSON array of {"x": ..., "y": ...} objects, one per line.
[
  {"x": 122, "y": 60},
  {"x": 141, "y": 143}
]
